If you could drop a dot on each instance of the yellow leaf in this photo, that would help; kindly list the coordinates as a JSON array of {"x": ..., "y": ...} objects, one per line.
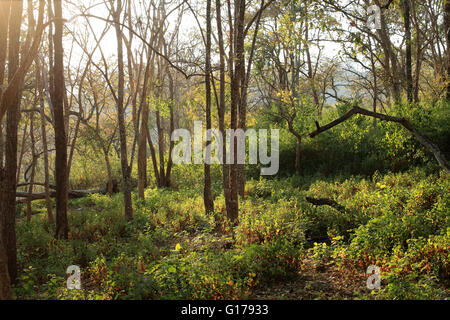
[{"x": 178, "y": 247}]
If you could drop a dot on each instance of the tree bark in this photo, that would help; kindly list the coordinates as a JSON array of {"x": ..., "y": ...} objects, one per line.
[
  {"x": 221, "y": 105},
  {"x": 126, "y": 170},
  {"x": 40, "y": 86},
  {"x": 207, "y": 195},
  {"x": 236, "y": 82},
  {"x": 408, "y": 41},
  {"x": 62, "y": 227},
  {"x": 447, "y": 38},
  {"x": 142, "y": 146},
  {"x": 5, "y": 287},
  {"x": 33, "y": 165},
  {"x": 13, "y": 108}
]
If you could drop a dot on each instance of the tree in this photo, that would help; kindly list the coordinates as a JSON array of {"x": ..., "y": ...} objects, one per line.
[
  {"x": 239, "y": 74},
  {"x": 293, "y": 82},
  {"x": 406, "y": 7},
  {"x": 5, "y": 287},
  {"x": 8, "y": 203},
  {"x": 57, "y": 93},
  {"x": 207, "y": 196},
  {"x": 126, "y": 170},
  {"x": 447, "y": 40}
]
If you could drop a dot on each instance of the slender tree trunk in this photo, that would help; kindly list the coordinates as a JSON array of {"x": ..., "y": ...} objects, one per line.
[
  {"x": 109, "y": 188},
  {"x": 375, "y": 78},
  {"x": 171, "y": 129},
  {"x": 62, "y": 227},
  {"x": 418, "y": 54},
  {"x": 207, "y": 195},
  {"x": 311, "y": 76},
  {"x": 72, "y": 147},
  {"x": 48, "y": 202},
  {"x": 160, "y": 129},
  {"x": 33, "y": 166},
  {"x": 236, "y": 82},
  {"x": 391, "y": 62},
  {"x": 221, "y": 106},
  {"x": 408, "y": 66},
  {"x": 22, "y": 151},
  {"x": 153, "y": 154},
  {"x": 447, "y": 38},
  {"x": 126, "y": 170},
  {"x": 142, "y": 146}
]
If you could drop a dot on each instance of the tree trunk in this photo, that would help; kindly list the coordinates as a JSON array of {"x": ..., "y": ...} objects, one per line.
[
  {"x": 142, "y": 146},
  {"x": 236, "y": 82},
  {"x": 4, "y": 21},
  {"x": 40, "y": 86},
  {"x": 109, "y": 187},
  {"x": 153, "y": 154},
  {"x": 33, "y": 165},
  {"x": 160, "y": 129},
  {"x": 62, "y": 227},
  {"x": 408, "y": 66},
  {"x": 447, "y": 38},
  {"x": 207, "y": 195},
  {"x": 22, "y": 151},
  {"x": 221, "y": 106},
  {"x": 5, "y": 287},
  {"x": 121, "y": 115},
  {"x": 9, "y": 185}
]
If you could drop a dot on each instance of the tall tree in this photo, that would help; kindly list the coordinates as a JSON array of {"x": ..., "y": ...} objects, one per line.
[
  {"x": 408, "y": 43},
  {"x": 5, "y": 288},
  {"x": 447, "y": 39},
  {"x": 61, "y": 179},
  {"x": 126, "y": 170},
  {"x": 207, "y": 195},
  {"x": 8, "y": 205},
  {"x": 40, "y": 86},
  {"x": 221, "y": 103}
]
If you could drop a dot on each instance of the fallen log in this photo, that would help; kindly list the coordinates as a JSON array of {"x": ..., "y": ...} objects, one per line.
[
  {"x": 73, "y": 194},
  {"x": 326, "y": 202},
  {"x": 440, "y": 157},
  {"x": 41, "y": 184}
]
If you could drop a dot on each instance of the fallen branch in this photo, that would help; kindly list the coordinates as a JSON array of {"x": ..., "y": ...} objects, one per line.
[
  {"x": 24, "y": 184},
  {"x": 326, "y": 202},
  {"x": 73, "y": 194},
  {"x": 440, "y": 157}
]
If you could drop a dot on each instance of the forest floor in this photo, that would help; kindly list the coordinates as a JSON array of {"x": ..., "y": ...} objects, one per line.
[{"x": 282, "y": 248}]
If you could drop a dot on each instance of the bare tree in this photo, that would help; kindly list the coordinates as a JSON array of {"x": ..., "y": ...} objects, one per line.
[
  {"x": 126, "y": 170},
  {"x": 62, "y": 227},
  {"x": 207, "y": 196}
]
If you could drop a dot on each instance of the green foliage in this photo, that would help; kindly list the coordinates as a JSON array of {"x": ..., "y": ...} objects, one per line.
[
  {"x": 225, "y": 275},
  {"x": 172, "y": 249},
  {"x": 363, "y": 145}
]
